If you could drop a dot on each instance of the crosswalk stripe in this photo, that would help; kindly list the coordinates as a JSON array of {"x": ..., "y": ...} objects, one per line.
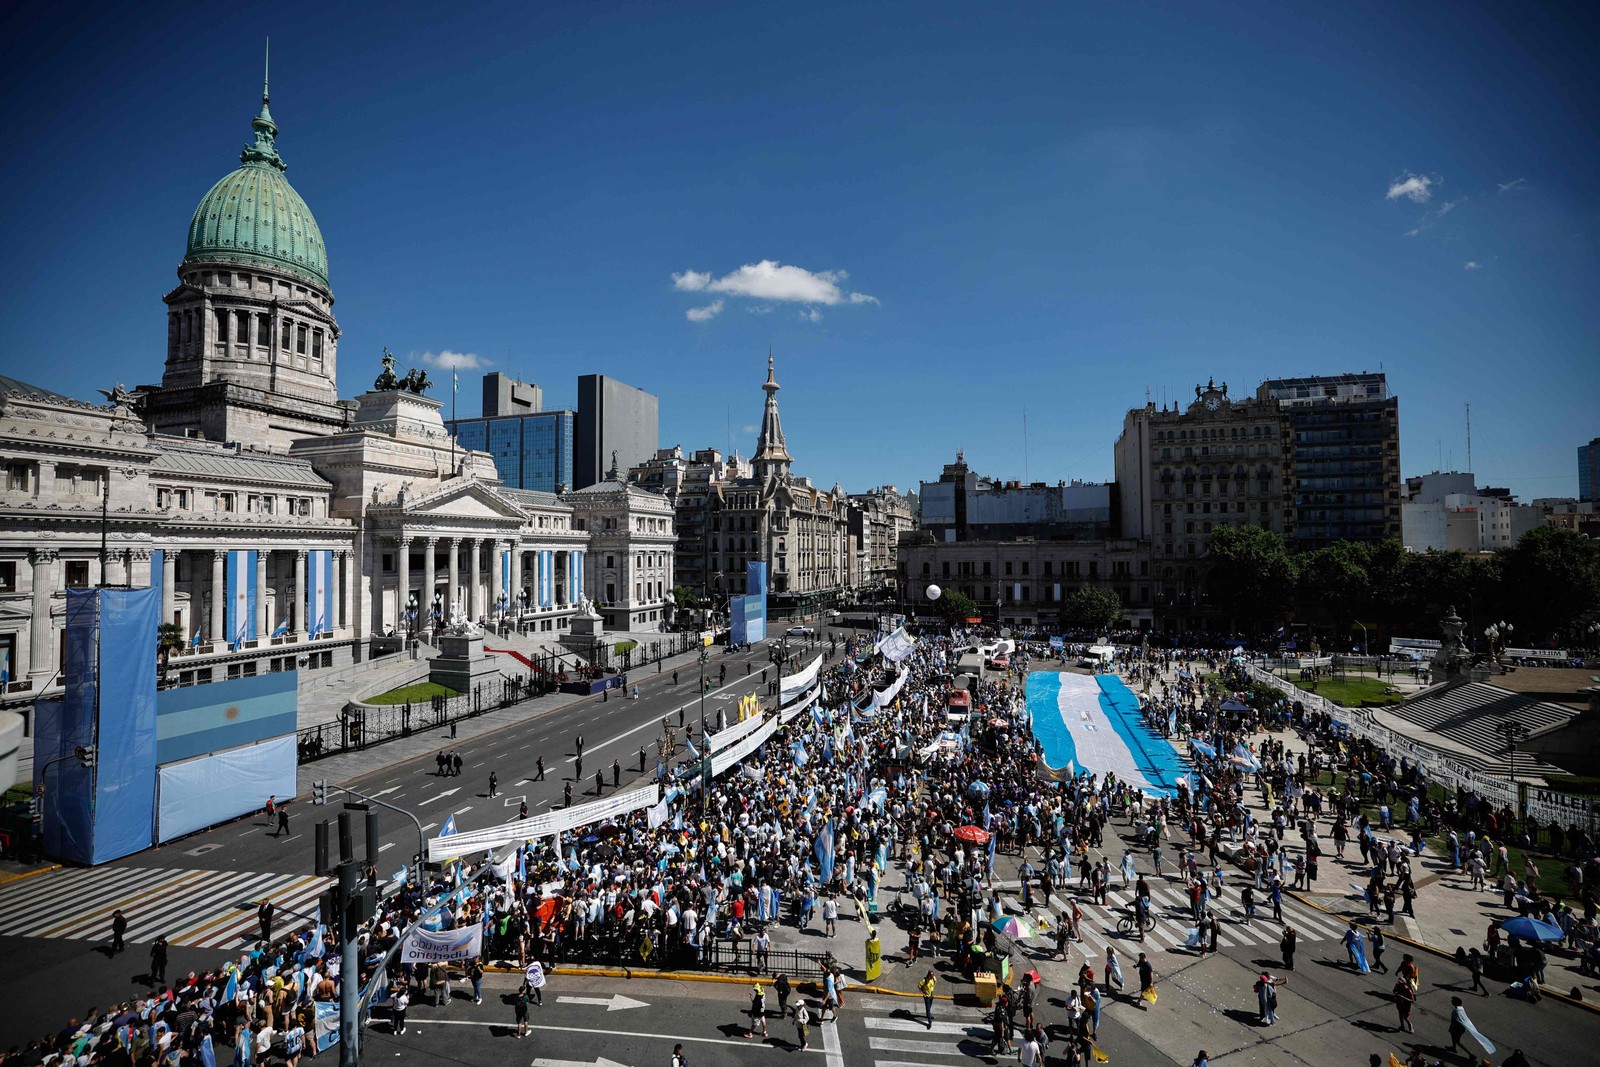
[
  {"x": 144, "y": 925},
  {"x": 974, "y": 1028},
  {"x": 122, "y": 891},
  {"x": 975, "y": 1046},
  {"x": 29, "y": 888},
  {"x": 201, "y": 925},
  {"x": 296, "y": 904},
  {"x": 166, "y": 888},
  {"x": 49, "y": 894}
]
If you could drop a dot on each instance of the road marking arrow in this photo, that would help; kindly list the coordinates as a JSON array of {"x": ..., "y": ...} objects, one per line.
[
  {"x": 615, "y": 1002},
  {"x": 518, "y": 799},
  {"x": 441, "y": 796},
  {"x": 384, "y": 792},
  {"x": 601, "y": 1062}
]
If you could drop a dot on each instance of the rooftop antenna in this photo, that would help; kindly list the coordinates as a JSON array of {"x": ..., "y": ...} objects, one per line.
[
  {"x": 1469, "y": 439},
  {"x": 1024, "y": 442},
  {"x": 266, "y": 69}
]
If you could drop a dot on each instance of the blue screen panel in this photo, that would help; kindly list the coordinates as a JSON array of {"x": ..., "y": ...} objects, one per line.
[{"x": 209, "y": 718}]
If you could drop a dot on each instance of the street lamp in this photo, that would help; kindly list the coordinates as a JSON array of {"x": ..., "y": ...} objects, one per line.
[
  {"x": 1498, "y": 632},
  {"x": 1513, "y": 731}
]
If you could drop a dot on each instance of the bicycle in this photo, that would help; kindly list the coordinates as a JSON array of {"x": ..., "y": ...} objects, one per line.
[{"x": 1126, "y": 924}]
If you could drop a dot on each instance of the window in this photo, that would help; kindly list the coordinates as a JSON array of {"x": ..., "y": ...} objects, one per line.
[
  {"x": 300, "y": 340},
  {"x": 284, "y": 342},
  {"x": 1024, "y": 567},
  {"x": 1008, "y": 569},
  {"x": 8, "y": 577},
  {"x": 263, "y": 330},
  {"x": 316, "y": 346},
  {"x": 17, "y": 476},
  {"x": 77, "y": 572}
]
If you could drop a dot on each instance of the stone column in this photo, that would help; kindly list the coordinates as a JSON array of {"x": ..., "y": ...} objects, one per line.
[
  {"x": 116, "y": 567},
  {"x": 429, "y": 544},
  {"x": 475, "y": 580},
  {"x": 450, "y": 578},
  {"x": 41, "y": 664},
  {"x": 516, "y": 574},
  {"x": 346, "y": 581},
  {"x": 219, "y": 596},
  {"x": 262, "y": 630},
  {"x": 139, "y": 566},
  {"x": 297, "y": 596},
  {"x": 402, "y": 566},
  {"x": 169, "y": 584}
]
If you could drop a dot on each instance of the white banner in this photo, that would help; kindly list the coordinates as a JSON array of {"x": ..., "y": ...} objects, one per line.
[
  {"x": 724, "y": 738},
  {"x": 897, "y": 646},
  {"x": 788, "y": 713},
  {"x": 885, "y": 698},
  {"x": 721, "y": 759},
  {"x": 792, "y": 685},
  {"x": 656, "y": 815},
  {"x": 546, "y": 825},
  {"x": 434, "y": 946}
]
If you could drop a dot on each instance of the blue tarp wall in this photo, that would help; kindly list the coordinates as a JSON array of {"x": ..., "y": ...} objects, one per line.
[
  {"x": 749, "y": 622},
  {"x": 93, "y": 815},
  {"x": 206, "y": 790}
]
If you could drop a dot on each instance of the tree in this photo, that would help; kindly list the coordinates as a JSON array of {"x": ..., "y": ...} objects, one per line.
[
  {"x": 1550, "y": 582},
  {"x": 1094, "y": 609},
  {"x": 1335, "y": 582},
  {"x": 1251, "y": 576},
  {"x": 956, "y": 607},
  {"x": 169, "y": 638}
]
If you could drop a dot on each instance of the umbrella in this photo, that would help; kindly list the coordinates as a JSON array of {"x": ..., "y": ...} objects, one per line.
[
  {"x": 1530, "y": 929},
  {"x": 1015, "y": 927},
  {"x": 589, "y": 839},
  {"x": 975, "y": 835},
  {"x": 978, "y": 787},
  {"x": 999, "y": 724}
]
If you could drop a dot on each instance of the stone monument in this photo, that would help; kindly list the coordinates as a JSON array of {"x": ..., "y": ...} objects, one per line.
[
  {"x": 587, "y": 632},
  {"x": 461, "y": 663},
  {"x": 1451, "y": 660}
]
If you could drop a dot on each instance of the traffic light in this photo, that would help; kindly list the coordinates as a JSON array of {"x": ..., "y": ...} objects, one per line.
[
  {"x": 319, "y": 791},
  {"x": 85, "y": 754}
]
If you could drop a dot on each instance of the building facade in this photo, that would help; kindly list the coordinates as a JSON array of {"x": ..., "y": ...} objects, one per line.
[
  {"x": 1447, "y": 511},
  {"x": 728, "y": 514},
  {"x": 617, "y": 428},
  {"x": 879, "y": 518},
  {"x": 631, "y": 552},
  {"x": 1341, "y": 458},
  {"x": 531, "y": 451},
  {"x": 963, "y": 505},
  {"x": 284, "y": 526},
  {"x": 1589, "y": 470}
]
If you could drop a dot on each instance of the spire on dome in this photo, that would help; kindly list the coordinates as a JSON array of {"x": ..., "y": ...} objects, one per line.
[{"x": 265, "y": 149}]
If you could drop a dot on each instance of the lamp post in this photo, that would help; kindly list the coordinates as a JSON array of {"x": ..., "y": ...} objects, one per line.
[
  {"x": 704, "y": 743},
  {"x": 1498, "y": 633},
  {"x": 1513, "y": 731},
  {"x": 411, "y": 624}
]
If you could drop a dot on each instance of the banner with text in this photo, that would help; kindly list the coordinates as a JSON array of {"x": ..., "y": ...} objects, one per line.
[
  {"x": 436, "y": 946},
  {"x": 547, "y": 824}
]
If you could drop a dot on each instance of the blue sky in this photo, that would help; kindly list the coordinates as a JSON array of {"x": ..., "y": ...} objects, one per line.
[{"x": 977, "y": 208}]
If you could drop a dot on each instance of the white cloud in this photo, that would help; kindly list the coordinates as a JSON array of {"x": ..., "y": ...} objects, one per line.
[
  {"x": 771, "y": 280},
  {"x": 1472, "y": 264},
  {"x": 759, "y": 309},
  {"x": 1514, "y": 183},
  {"x": 812, "y": 315},
  {"x": 454, "y": 360},
  {"x": 1449, "y": 206},
  {"x": 1417, "y": 188},
  {"x": 750, "y": 427},
  {"x": 704, "y": 314}
]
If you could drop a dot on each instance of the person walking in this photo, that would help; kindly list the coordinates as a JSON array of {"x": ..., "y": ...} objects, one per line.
[
  {"x": 455, "y": 765},
  {"x": 539, "y": 769},
  {"x": 780, "y": 986},
  {"x": 1475, "y": 968},
  {"x": 158, "y": 960},
  {"x": 679, "y": 1059},
  {"x": 1379, "y": 943},
  {"x": 1461, "y": 1026},
  {"x": 1287, "y": 946},
  {"x": 1147, "y": 982},
  {"x": 925, "y": 987},
  {"x": 519, "y": 1005},
  {"x": 264, "y": 919},
  {"x": 1405, "y": 999},
  {"x": 802, "y": 1023},
  {"x": 119, "y": 928},
  {"x": 758, "y": 1012},
  {"x": 283, "y": 820},
  {"x": 494, "y": 783},
  {"x": 1267, "y": 997}
]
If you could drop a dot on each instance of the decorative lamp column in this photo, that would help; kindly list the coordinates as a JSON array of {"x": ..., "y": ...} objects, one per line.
[{"x": 346, "y": 583}]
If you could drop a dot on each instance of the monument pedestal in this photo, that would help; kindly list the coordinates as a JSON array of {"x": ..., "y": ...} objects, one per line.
[
  {"x": 587, "y": 633},
  {"x": 461, "y": 663}
]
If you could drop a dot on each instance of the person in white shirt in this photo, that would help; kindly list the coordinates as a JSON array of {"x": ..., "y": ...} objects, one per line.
[{"x": 1028, "y": 1054}]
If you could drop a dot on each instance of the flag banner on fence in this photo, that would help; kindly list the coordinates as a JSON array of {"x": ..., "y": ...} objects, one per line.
[
  {"x": 656, "y": 815},
  {"x": 424, "y": 946},
  {"x": 792, "y": 685},
  {"x": 470, "y": 842}
]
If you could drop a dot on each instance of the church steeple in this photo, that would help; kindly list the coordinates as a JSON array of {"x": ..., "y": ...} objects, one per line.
[{"x": 772, "y": 457}]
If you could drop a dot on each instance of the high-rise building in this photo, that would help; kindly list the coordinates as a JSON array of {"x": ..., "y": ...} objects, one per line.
[
  {"x": 1341, "y": 458},
  {"x": 617, "y": 428},
  {"x": 530, "y": 451},
  {"x": 964, "y": 506},
  {"x": 1589, "y": 470},
  {"x": 505, "y": 395}
]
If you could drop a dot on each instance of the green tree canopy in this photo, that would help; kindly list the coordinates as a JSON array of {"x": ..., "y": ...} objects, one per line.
[
  {"x": 1093, "y": 608},
  {"x": 956, "y": 607},
  {"x": 1550, "y": 583},
  {"x": 1251, "y": 577}
]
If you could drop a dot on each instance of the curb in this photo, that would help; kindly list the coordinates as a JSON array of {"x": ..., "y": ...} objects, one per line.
[
  {"x": 25, "y": 875},
  {"x": 1442, "y": 953},
  {"x": 696, "y": 976}
]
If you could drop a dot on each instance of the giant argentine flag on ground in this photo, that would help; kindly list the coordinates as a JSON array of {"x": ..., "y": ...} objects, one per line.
[
  {"x": 240, "y": 584},
  {"x": 319, "y": 592},
  {"x": 1095, "y": 724}
]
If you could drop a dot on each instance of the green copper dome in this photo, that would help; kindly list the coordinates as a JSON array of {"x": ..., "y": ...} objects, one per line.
[{"x": 254, "y": 215}]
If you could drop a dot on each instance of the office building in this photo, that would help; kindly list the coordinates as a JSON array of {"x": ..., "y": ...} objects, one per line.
[
  {"x": 1589, "y": 470},
  {"x": 1341, "y": 458},
  {"x": 964, "y": 506},
  {"x": 530, "y": 451},
  {"x": 505, "y": 395},
  {"x": 616, "y": 429}
]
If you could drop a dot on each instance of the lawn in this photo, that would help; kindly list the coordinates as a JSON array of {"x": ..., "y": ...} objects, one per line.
[
  {"x": 1353, "y": 691},
  {"x": 417, "y": 693}
]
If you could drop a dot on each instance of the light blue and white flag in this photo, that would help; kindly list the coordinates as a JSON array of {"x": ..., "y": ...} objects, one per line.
[
  {"x": 824, "y": 851},
  {"x": 315, "y": 949},
  {"x": 282, "y": 627},
  {"x": 448, "y": 828}
]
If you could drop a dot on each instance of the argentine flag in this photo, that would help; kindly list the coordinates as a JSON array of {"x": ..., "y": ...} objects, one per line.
[
  {"x": 282, "y": 628},
  {"x": 448, "y": 828},
  {"x": 315, "y": 949},
  {"x": 824, "y": 850}
]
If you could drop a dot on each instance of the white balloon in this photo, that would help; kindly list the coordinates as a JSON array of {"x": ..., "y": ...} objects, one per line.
[{"x": 933, "y": 592}]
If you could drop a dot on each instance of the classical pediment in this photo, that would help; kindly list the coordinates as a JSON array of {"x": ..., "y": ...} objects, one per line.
[{"x": 462, "y": 498}]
